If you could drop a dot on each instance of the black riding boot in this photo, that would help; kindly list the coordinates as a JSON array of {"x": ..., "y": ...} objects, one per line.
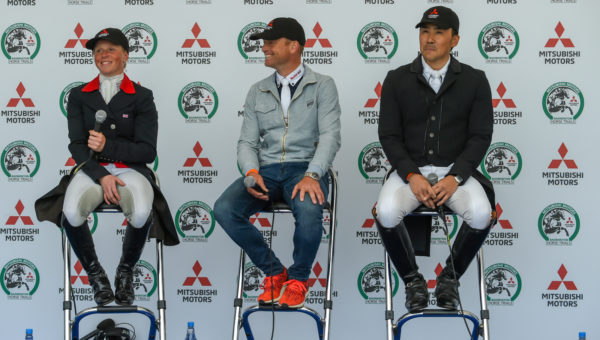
[
  {"x": 399, "y": 247},
  {"x": 465, "y": 247},
  {"x": 82, "y": 243},
  {"x": 133, "y": 244}
]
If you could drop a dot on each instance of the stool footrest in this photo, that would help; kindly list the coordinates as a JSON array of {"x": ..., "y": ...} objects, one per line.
[{"x": 161, "y": 304}]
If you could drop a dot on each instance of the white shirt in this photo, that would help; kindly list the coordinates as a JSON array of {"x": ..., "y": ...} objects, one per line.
[
  {"x": 435, "y": 78},
  {"x": 109, "y": 86}
]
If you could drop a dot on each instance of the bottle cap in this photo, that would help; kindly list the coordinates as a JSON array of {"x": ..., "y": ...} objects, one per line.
[
  {"x": 582, "y": 334},
  {"x": 29, "y": 331},
  {"x": 190, "y": 324}
]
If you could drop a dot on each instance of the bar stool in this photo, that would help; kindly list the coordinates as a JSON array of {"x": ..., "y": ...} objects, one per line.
[
  {"x": 421, "y": 238},
  {"x": 71, "y": 325},
  {"x": 323, "y": 323}
]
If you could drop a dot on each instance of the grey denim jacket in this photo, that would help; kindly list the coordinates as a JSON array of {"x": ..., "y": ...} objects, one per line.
[{"x": 312, "y": 133}]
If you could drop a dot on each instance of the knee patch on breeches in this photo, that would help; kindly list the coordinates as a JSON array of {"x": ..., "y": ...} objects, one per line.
[
  {"x": 136, "y": 217},
  {"x": 88, "y": 201}
]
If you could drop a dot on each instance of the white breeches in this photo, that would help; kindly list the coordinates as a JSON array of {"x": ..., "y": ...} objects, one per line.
[
  {"x": 84, "y": 195},
  {"x": 397, "y": 200}
]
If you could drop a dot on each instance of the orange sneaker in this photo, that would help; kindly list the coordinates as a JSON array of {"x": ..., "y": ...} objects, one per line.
[
  {"x": 272, "y": 286},
  {"x": 294, "y": 294}
]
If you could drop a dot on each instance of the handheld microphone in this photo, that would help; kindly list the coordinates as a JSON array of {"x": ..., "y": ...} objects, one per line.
[
  {"x": 432, "y": 178},
  {"x": 250, "y": 182},
  {"x": 102, "y": 326},
  {"x": 100, "y": 118}
]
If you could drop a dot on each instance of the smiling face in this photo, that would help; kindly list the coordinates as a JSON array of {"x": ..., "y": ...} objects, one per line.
[
  {"x": 110, "y": 59},
  {"x": 282, "y": 54},
  {"x": 436, "y": 44}
]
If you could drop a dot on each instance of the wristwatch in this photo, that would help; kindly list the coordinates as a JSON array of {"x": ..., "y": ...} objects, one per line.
[
  {"x": 458, "y": 179},
  {"x": 312, "y": 175}
]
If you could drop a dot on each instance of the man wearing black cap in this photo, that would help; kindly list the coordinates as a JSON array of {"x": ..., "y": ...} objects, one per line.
[
  {"x": 435, "y": 122},
  {"x": 289, "y": 137}
]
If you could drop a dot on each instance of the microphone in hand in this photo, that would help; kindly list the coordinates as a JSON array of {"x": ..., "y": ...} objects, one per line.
[
  {"x": 250, "y": 182},
  {"x": 100, "y": 118}
]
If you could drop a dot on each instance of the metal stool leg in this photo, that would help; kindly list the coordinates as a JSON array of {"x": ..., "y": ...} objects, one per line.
[
  {"x": 389, "y": 308},
  {"x": 161, "y": 303},
  {"x": 328, "y": 303},
  {"x": 485, "y": 312},
  {"x": 238, "y": 301},
  {"x": 67, "y": 303}
]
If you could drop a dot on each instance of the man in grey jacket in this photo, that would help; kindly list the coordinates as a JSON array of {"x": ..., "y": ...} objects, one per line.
[{"x": 289, "y": 137}]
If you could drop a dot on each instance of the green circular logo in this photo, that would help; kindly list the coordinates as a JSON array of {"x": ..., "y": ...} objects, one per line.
[
  {"x": 144, "y": 280},
  {"x": 377, "y": 41},
  {"x": 20, "y": 43},
  {"x": 502, "y": 284},
  {"x": 502, "y": 163},
  {"x": 20, "y": 161},
  {"x": 251, "y": 50},
  {"x": 563, "y": 102},
  {"x": 438, "y": 235},
  {"x": 198, "y": 102},
  {"x": 20, "y": 279},
  {"x": 371, "y": 282},
  {"x": 372, "y": 163},
  {"x": 253, "y": 278},
  {"x": 559, "y": 224},
  {"x": 195, "y": 221},
  {"x": 142, "y": 42},
  {"x": 64, "y": 96},
  {"x": 498, "y": 41}
]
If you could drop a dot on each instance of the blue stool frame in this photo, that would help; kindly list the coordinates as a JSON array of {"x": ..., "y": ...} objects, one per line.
[
  {"x": 71, "y": 327},
  {"x": 394, "y": 330},
  {"x": 323, "y": 323}
]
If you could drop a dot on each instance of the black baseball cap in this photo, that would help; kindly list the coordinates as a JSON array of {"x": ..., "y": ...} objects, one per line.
[
  {"x": 282, "y": 28},
  {"x": 114, "y": 35},
  {"x": 442, "y": 17}
]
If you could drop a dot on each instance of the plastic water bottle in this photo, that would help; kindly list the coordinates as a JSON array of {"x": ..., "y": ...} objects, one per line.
[
  {"x": 581, "y": 335},
  {"x": 190, "y": 335},
  {"x": 29, "y": 334}
]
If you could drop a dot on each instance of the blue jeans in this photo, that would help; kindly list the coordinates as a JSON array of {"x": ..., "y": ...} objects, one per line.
[{"x": 235, "y": 206}]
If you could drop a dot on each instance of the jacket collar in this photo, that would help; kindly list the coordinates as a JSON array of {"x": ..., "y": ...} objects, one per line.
[
  {"x": 453, "y": 69},
  {"x": 94, "y": 85},
  {"x": 268, "y": 84}
]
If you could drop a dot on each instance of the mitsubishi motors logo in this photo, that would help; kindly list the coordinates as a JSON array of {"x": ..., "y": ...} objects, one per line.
[
  {"x": 188, "y": 43},
  {"x": 71, "y": 43},
  {"x": 562, "y": 273},
  {"x": 373, "y": 101},
  {"x": 317, "y": 30},
  {"x": 566, "y": 42},
  {"x": 83, "y": 278},
  {"x": 262, "y": 221},
  {"x": 433, "y": 14},
  {"x": 12, "y": 220},
  {"x": 569, "y": 163},
  {"x": 508, "y": 103},
  {"x": 204, "y": 162},
  {"x": 265, "y": 226},
  {"x": 27, "y": 102},
  {"x": 506, "y": 234},
  {"x": 317, "y": 270},
  {"x": 505, "y": 224},
  {"x": 432, "y": 283},
  {"x": 366, "y": 234},
  {"x": 369, "y": 222},
  {"x": 191, "y": 280}
]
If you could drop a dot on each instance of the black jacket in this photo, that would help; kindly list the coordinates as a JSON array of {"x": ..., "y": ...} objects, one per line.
[
  {"x": 419, "y": 127},
  {"x": 130, "y": 128}
]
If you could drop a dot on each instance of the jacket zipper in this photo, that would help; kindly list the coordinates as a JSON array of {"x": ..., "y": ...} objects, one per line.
[{"x": 286, "y": 123}]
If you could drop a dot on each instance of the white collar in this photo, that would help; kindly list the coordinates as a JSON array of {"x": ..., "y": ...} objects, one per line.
[
  {"x": 428, "y": 71},
  {"x": 293, "y": 77},
  {"x": 114, "y": 79}
]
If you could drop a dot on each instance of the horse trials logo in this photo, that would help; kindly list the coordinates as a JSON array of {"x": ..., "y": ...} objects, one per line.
[
  {"x": 195, "y": 221},
  {"x": 372, "y": 163},
  {"x": 438, "y": 235},
  {"x": 502, "y": 284},
  {"x": 20, "y": 43},
  {"x": 142, "y": 42},
  {"x": 377, "y": 42},
  {"x": 563, "y": 103},
  {"x": 20, "y": 161},
  {"x": 198, "y": 102},
  {"x": 64, "y": 96},
  {"x": 251, "y": 50},
  {"x": 371, "y": 283},
  {"x": 559, "y": 224},
  {"x": 498, "y": 42},
  {"x": 502, "y": 163},
  {"x": 144, "y": 280},
  {"x": 20, "y": 279},
  {"x": 253, "y": 278}
]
